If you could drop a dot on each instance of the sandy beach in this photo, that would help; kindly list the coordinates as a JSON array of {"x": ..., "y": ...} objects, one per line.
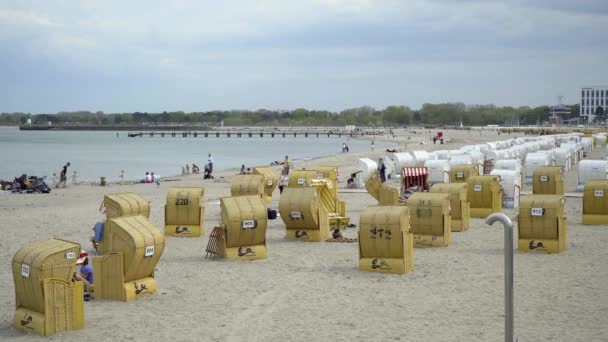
[{"x": 314, "y": 291}]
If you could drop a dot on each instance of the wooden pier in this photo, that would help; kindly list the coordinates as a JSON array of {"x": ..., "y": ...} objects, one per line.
[{"x": 248, "y": 134}]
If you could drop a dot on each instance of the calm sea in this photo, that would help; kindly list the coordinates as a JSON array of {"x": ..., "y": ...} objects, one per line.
[{"x": 96, "y": 154}]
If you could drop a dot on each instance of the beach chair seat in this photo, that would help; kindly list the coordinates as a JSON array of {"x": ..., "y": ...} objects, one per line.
[
  {"x": 47, "y": 299},
  {"x": 385, "y": 195},
  {"x": 385, "y": 242},
  {"x": 133, "y": 246},
  {"x": 242, "y": 232}
]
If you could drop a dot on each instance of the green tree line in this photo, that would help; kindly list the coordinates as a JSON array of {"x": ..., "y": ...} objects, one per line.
[{"x": 428, "y": 114}]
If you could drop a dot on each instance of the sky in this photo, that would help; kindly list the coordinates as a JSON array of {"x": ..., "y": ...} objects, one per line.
[{"x": 198, "y": 55}]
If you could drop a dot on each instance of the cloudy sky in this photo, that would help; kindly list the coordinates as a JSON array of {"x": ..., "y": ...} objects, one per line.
[{"x": 279, "y": 54}]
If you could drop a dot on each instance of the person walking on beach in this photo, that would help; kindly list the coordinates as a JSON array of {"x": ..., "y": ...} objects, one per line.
[
  {"x": 63, "y": 177},
  {"x": 283, "y": 180},
  {"x": 286, "y": 165},
  {"x": 372, "y": 145},
  {"x": 210, "y": 162}
]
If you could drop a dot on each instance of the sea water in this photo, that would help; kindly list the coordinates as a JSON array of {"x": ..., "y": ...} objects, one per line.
[{"x": 94, "y": 154}]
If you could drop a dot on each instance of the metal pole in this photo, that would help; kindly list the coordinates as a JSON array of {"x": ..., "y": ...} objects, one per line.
[{"x": 506, "y": 222}]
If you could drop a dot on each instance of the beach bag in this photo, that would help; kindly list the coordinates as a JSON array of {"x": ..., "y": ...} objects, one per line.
[{"x": 272, "y": 214}]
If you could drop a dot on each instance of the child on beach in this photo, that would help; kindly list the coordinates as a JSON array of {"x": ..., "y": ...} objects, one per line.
[{"x": 75, "y": 177}]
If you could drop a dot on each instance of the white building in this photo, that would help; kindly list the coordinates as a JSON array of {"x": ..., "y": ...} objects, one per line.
[{"x": 591, "y": 99}]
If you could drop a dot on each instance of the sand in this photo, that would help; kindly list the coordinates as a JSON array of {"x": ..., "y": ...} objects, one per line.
[{"x": 314, "y": 291}]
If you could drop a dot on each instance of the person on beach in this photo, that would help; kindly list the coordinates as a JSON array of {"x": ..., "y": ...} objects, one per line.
[
  {"x": 85, "y": 274},
  {"x": 210, "y": 162},
  {"x": 63, "y": 177},
  {"x": 75, "y": 177},
  {"x": 373, "y": 145},
  {"x": 195, "y": 169},
  {"x": 148, "y": 178},
  {"x": 122, "y": 176},
  {"x": 207, "y": 173},
  {"x": 156, "y": 179},
  {"x": 287, "y": 165},
  {"x": 382, "y": 170},
  {"x": 55, "y": 180},
  {"x": 187, "y": 168},
  {"x": 283, "y": 180},
  {"x": 242, "y": 169}
]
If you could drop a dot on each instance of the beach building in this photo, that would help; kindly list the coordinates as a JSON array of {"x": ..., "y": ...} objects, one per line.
[{"x": 592, "y": 98}]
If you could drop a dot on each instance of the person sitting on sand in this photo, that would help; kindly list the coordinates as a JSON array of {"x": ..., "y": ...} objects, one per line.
[
  {"x": 410, "y": 191},
  {"x": 156, "y": 179},
  {"x": 85, "y": 274},
  {"x": 16, "y": 185},
  {"x": 243, "y": 169},
  {"x": 148, "y": 178},
  {"x": 350, "y": 182},
  {"x": 195, "y": 168}
]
